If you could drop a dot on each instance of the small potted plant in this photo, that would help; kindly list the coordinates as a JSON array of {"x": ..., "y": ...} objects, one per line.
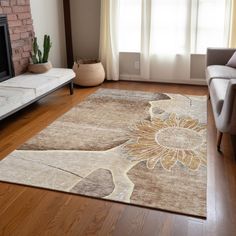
[{"x": 39, "y": 62}]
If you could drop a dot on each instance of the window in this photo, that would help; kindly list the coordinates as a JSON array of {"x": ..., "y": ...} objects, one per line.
[
  {"x": 211, "y": 27},
  {"x": 169, "y": 23},
  {"x": 130, "y": 25},
  {"x": 175, "y": 25}
]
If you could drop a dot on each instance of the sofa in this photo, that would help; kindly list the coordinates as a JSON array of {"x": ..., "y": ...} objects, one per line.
[
  {"x": 20, "y": 91},
  {"x": 221, "y": 80}
]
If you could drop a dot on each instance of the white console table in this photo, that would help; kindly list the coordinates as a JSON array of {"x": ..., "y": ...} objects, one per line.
[{"x": 20, "y": 91}]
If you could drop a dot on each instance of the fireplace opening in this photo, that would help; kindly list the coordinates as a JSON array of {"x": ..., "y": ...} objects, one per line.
[{"x": 6, "y": 67}]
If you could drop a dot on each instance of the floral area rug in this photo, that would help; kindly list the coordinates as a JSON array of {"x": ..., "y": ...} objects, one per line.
[{"x": 141, "y": 148}]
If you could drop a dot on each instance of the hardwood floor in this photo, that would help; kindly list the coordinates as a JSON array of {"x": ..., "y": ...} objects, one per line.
[{"x": 32, "y": 211}]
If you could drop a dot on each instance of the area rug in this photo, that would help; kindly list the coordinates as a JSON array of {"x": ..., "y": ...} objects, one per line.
[{"x": 142, "y": 148}]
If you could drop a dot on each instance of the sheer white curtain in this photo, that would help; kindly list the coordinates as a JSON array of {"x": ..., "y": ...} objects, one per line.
[
  {"x": 180, "y": 28},
  {"x": 160, "y": 31},
  {"x": 167, "y": 32},
  {"x": 145, "y": 39},
  {"x": 109, "y": 38},
  {"x": 170, "y": 40},
  {"x": 213, "y": 24}
]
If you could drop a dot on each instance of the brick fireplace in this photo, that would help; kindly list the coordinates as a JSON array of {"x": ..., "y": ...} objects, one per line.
[{"x": 21, "y": 31}]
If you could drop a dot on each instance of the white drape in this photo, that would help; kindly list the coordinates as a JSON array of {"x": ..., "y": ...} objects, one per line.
[
  {"x": 145, "y": 39},
  {"x": 165, "y": 55},
  {"x": 170, "y": 31},
  {"x": 109, "y": 30}
]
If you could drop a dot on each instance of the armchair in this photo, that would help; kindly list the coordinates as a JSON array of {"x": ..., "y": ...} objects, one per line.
[{"x": 221, "y": 80}]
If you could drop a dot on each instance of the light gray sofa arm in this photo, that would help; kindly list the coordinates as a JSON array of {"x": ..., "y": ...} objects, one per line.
[
  {"x": 219, "y": 56},
  {"x": 226, "y": 122}
]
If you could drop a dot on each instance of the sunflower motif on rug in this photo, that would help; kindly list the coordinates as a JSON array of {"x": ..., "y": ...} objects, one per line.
[{"x": 170, "y": 141}]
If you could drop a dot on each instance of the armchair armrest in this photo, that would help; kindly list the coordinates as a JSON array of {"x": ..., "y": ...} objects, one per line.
[
  {"x": 227, "y": 119},
  {"x": 219, "y": 56}
]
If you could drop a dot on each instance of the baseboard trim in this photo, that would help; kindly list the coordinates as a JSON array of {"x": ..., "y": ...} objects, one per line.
[{"x": 137, "y": 78}]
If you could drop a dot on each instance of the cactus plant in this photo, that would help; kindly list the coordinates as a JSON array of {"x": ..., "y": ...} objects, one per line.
[
  {"x": 35, "y": 51},
  {"x": 37, "y": 56},
  {"x": 40, "y": 56},
  {"x": 46, "y": 47}
]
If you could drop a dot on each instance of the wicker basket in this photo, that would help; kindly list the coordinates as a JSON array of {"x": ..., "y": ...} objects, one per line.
[{"x": 88, "y": 73}]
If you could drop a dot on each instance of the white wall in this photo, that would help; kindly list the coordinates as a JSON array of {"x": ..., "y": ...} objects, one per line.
[
  {"x": 85, "y": 21},
  {"x": 48, "y": 18}
]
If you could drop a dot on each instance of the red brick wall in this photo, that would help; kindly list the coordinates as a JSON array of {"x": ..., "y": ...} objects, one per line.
[{"x": 21, "y": 31}]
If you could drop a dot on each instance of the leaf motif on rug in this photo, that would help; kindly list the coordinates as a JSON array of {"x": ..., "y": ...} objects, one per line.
[
  {"x": 97, "y": 184},
  {"x": 181, "y": 105}
]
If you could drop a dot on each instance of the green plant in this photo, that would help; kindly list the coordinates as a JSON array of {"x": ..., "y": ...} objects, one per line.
[{"x": 37, "y": 56}]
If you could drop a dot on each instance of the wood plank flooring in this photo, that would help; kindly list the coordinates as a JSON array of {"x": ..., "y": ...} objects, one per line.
[{"x": 30, "y": 211}]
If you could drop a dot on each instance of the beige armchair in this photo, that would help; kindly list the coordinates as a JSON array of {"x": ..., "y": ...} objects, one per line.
[{"x": 221, "y": 80}]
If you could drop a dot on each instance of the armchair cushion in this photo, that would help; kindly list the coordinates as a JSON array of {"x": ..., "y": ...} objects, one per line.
[{"x": 220, "y": 71}]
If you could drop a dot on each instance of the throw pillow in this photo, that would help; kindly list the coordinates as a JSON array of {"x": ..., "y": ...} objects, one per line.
[{"x": 232, "y": 61}]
